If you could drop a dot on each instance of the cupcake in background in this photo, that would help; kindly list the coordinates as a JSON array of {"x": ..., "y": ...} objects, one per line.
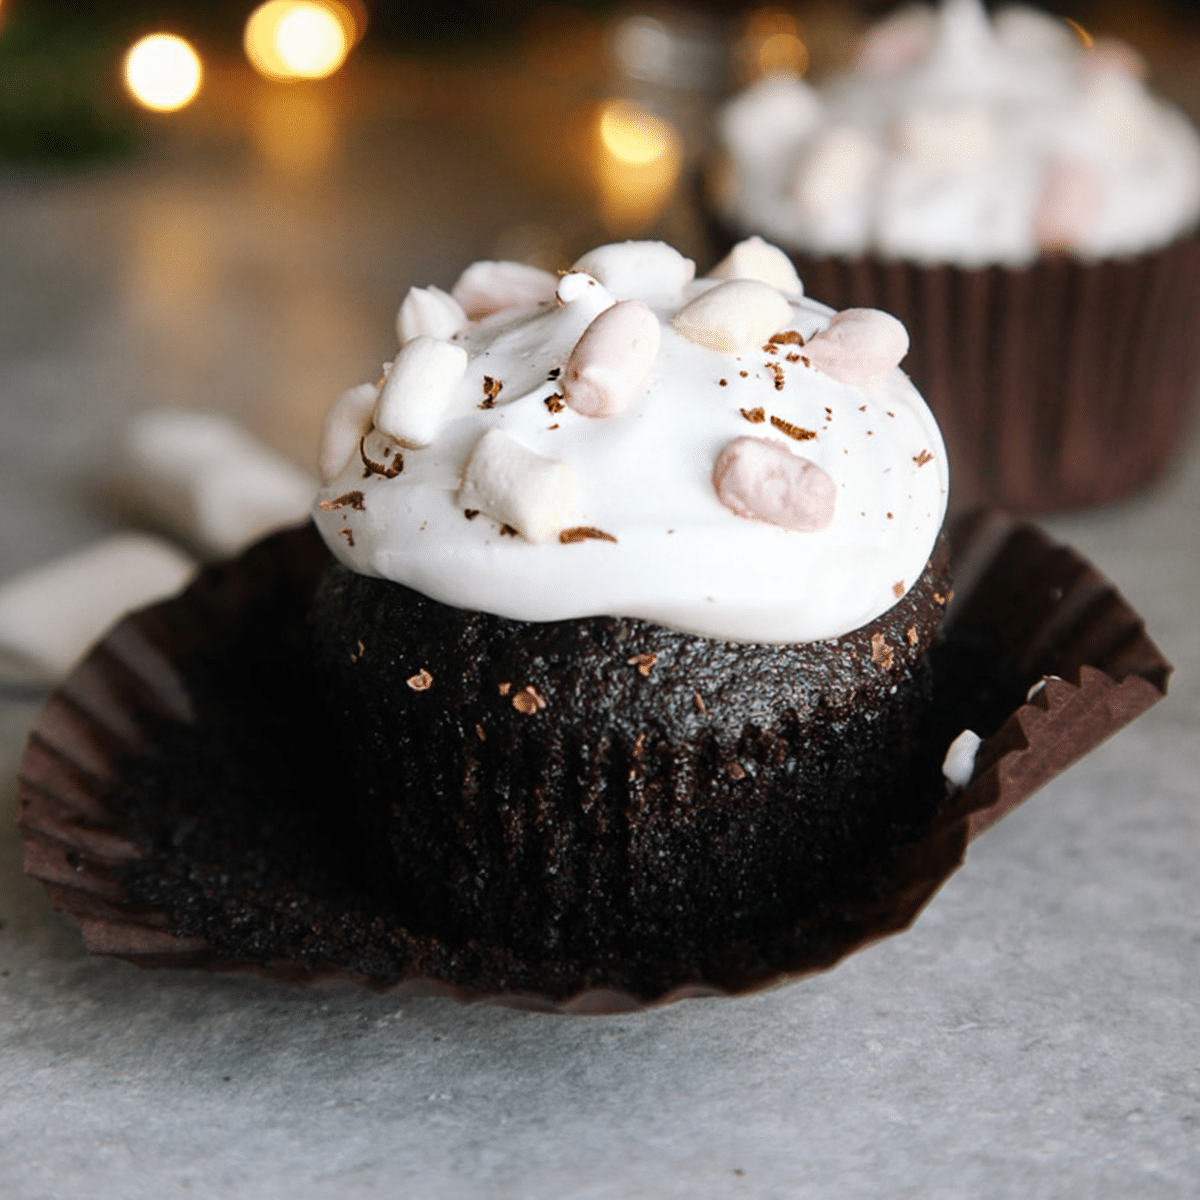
[{"x": 1015, "y": 195}]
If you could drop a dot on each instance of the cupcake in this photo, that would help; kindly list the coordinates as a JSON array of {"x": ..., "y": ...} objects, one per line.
[
  {"x": 1028, "y": 209},
  {"x": 626, "y": 646}
]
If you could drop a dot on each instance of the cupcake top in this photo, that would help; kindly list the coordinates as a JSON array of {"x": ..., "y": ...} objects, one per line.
[
  {"x": 719, "y": 455},
  {"x": 960, "y": 139}
]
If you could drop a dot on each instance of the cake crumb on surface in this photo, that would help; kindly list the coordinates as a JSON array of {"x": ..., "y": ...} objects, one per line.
[
  {"x": 881, "y": 652},
  {"x": 528, "y": 700},
  {"x": 643, "y": 662},
  {"x": 422, "y": 681},
  {"x": 786, "y": 337}
]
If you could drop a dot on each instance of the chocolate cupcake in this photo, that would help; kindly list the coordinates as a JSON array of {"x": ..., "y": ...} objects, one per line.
[
  {"x": 1026, "y": 207},
  {"x": 627, "y": 647}
]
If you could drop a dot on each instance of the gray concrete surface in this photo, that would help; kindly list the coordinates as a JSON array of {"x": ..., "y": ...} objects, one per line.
[{"x": 1036, "y": 1034}]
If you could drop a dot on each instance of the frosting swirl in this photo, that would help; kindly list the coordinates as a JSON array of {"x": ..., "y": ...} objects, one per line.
[{"x": 721, "y": 456}]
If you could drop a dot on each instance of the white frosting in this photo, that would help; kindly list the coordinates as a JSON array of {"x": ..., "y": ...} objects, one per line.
[
  {"x": 648, "y": 535},
  {"x": 956, "y": 139}
]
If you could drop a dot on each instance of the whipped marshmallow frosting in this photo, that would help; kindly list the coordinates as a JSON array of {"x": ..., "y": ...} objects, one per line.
[
  {"x": 721, "y": 456},
  {"x": 960, "y": 139}
]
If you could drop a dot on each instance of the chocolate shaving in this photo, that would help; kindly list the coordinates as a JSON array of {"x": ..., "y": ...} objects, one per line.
[
  {"x": 527, "y": 701},
  {"x": 491, "y": 389},
  {"x": 723, "y": 382},
  {"x": 756, "y": 416},
  {"x": 922, "y": 458},
  {"x": 470, "y": 513},
  {"x": 554, "y": 373},
  {"x": 736, "y": 771},
  {"x": 371, "y": 467},
  {"x": 505, "y": 688},
  {"x": 777, "y": 371},
  {"x": 643, "y": 662},
  {"x": 480, "y": 734},
  {"x": 786, "y": 337},
  {"x": 581, "y": 533},
  {"x": 345, "y": 500},
  {"x": 881, "y": 653},
  {"x": 701, "y": 707},
  {"x": 348, "y": 534},
  {"x": 769, "y": 349},
  {"x": 795, "y": 432},
  {"x": 793, "y": 358},
  {"x": 422, "y": 681},
  {"x": 508, "y": 531},
  {"x": 554, "y": 402},
  {"x": 911, "y": 635}
]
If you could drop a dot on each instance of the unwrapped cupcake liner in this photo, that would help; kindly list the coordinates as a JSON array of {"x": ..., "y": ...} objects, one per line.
[
  {"x": 1065, "y": 384},
  {"x": 133, "y": 775}
]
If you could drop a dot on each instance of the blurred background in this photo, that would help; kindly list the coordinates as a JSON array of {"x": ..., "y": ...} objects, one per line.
[{"x": 216, "y": 205}]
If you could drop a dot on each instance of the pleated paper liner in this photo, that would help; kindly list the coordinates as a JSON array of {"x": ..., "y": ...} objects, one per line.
[
  {"x": 178, "y": 796},
  {"x": 1062, "y": 385}
]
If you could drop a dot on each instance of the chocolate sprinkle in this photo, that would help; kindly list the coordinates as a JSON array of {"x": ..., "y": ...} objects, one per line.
[
  {"x": 371, "y": 467},
  {"x": 756, "y": 416},
  {"x": 581, "y": 533},
  {"x": 796, "y": 432},
  {"x": 346, "y": 500},
  {"x": 491, "y": 389}
]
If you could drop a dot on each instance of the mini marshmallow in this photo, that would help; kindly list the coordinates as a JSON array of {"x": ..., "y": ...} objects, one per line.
[
  {"x": 959, "y": 763},
  {"x": 639, "y": 270},
  {"x": 756, "y": 259},
  {"x": 429, "y": 312},
  {"x": 488, "y": 287},
  {"x": 611, "y": 361},
  {"x": 518, "y": 487},
  {"x": 209, "y": 482},
  {"x": 761, "y": 479},
  {"x": 50, "y": 616},
  {"x": 346, "y": 424},
  {"x": 860, "y": 347},
  {"x": 418, "y": 390},
  {"x": 733, "y": 316}
]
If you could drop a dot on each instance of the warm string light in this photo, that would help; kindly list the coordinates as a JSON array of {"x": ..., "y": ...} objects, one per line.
[
  {"x": 299, "y": 39},
  {"x": 163, "y": 72},
  {"x": 639, "y": 159}
]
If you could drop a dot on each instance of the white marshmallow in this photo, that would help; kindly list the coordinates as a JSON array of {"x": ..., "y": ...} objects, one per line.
[
  {"x": 418, "y": 390},
  {"x": 209, "y": 482},
  {"x": 611, "y": 361},
  {"x": 516, "y": 486},
  {"x": 756, "y": 259},
  {"x": 429, "y": 312},
  {"x": 639, "y": 270},
  {"x": 860, "y": 347},
  {"x": 948, "y": 137},
  {"x": 762, "y": 479},
  {"x": 769, "y": 117},
  {"x": 585, "y": 292},
  {"x": 838, "y": 168},
  {"x": 959, "y": 763},
  {"x": 734, "y": 316},
  {"x": 346, "y": 424},
  {"x": 50, "y": 616},
  {"x": 487, "y": 287}
]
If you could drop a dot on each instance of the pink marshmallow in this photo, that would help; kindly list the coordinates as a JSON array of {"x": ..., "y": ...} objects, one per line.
[
  {"x": 763, "y": 480},
  {"x": 611, "y": 360},
  {"x": 860, "y": 347}
]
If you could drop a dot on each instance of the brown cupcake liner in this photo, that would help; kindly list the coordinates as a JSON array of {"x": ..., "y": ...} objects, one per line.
[
  {"x": 109, "y": 839},
  {"x": 1062, "y": 385}
]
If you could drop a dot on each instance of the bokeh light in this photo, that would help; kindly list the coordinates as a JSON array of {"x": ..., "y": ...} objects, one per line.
[
  {"x": 163, "y": 72},
  {"x": 639, "y": 157},
  {"x": 771, "y": 44},
  {"x": 299, "y": 39}
]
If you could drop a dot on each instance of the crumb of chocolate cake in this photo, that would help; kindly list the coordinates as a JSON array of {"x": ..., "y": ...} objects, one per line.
[
  {"x": 554, "y": 402},
  {"x": 371, "y": 467},
  {"x": 736, "y": 771},
  {"x": 470, "y": 513},
  {"x": 881, "y": 653},
  {"x": 422, "y": 681},
  {"x": 756, "y": 416},
  {"x": 528, "y": 701},
  {"x": 795, "y": 432},
  {"x": 777, "y": 372},
  {"x": 507, "y": 530},
  {"x": 911, "y": 635},
  {"x": 491, "y": 389},
  {"x": 583, "y": 533},
  {"x": 922, "y": 458},
  {"x": 643, "y": 662},
  {"x": 787, "y": 337},
  {"x": 898, "y": 586},
  {"x": 348, "y": 534},
  {"x": 345, "y": 500}
]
